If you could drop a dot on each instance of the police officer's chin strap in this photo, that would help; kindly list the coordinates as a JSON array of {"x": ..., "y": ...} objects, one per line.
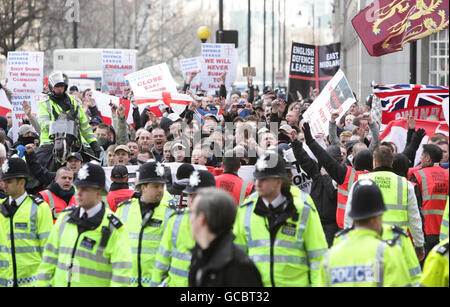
[
  {"x": 58, "y": 96},
  {"x": 286, "y": 190}
]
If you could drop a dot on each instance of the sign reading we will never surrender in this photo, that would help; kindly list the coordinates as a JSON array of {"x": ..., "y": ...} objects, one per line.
[{"x": 216, "y": 60}]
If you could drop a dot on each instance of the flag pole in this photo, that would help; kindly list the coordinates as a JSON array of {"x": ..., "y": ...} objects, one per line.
[{"x": 413, "y": 63}]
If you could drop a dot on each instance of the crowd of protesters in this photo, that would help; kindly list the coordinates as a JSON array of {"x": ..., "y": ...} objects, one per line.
[{"x": 244, "y": 124}]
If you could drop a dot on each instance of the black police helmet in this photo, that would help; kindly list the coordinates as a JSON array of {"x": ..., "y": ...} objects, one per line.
[
  {"x": 15, "y": 168},
  {"x": 151, "y": 172},
  {"x": 367, "y": 200},
  {"x": 270, "y": 165},
  {"x": 91, "y": 175},
  {"x": 198, "y": 180}
]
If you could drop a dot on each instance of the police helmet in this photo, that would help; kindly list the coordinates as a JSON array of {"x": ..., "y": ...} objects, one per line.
[
  {"x": 367, "y": 200},
  {"x": 151, "y": 172},
  {"x": 198, "y": 180},
  {"x": 15, "y": 168},
  {"x": 91, "y": 175},
  {"x": 270, "y": 165},
  {"x": 58, "y": 79}
]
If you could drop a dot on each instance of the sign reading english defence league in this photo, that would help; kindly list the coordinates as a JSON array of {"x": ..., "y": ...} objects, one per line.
[
  {"x": 312, "y": 67},
  {"x": 116, "y": 65}
]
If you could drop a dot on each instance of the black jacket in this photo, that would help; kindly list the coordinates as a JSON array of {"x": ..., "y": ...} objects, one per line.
[
  {"x": 222, "y": 264},
  {"x": 336, "y": 171},
  {"x": 323, "y": 192}
]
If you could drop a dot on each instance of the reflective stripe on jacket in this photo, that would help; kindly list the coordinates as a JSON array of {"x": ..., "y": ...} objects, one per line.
[
  {"x": 26, "y": 235},
  {"x": 363, "y": 259},
  {"x": 434, "y": 185},
  {"x": 144, "y": 241},
  {"x": 173, "y": 259},
  {"x": 343, "y": 189},
  {"x": 86, "y": 260},
  {"x": 395, "y": 195},
  {"x": 46, "y": 117},
  {"x": 293, "y": 256},
  {"x": 57, "y": 205}
]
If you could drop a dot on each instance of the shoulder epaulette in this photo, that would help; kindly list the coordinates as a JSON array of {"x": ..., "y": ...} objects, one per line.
[
  {"x": 399, "y": 230},
  {"x": 342, "y": 232},
  {"x": 310, "y": 206},
  {"x": 246, "y": 204},
  {"x": 127, "y": 202},
  {"x": 442, "y": 250},
  {"x": 250, "y": 200},
  {"x": 178, "y": 211},
  {"x": 67, "y": 209},
  {"x": 37, "y": 199},
  {"x": 115, "y": 221}
]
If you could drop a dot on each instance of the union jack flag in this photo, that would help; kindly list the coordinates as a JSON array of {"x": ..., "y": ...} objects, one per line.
[{"x": 418, "y": 101}]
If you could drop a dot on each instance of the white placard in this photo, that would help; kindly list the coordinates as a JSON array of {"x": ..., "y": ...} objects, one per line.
[
  {"x": 25, "y": 73},
  {"x": 336, "y": 96},
  {"x": 116, "y": 65},
  {"x": 191, "y": 65},
  {"x": 217, "y": 59},
  {"x": 152, "y": 79}
]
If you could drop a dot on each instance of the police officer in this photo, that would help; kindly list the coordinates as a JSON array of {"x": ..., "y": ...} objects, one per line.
[
  {"x": 26, "y": 222},
  {"x": 362, "y": 258},
  {"x": 435, "y": 270},
  {"x": 174, "y": 254},
  {"x": 88, "y": 246},
  {"x": 399, "y": 197},
  {"x": 146, "y": 218},
  {"x": 5, "y": 266},
  {"x": 280, "y": 231},
  {"x": 59, "y": 102}
]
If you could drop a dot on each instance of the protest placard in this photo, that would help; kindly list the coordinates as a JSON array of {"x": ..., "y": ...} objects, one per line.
[
  {"x": 152, "y": 79},
  {"x": 312, "y": 67},
  {"x": 25, "y": 71},
  {"x": 336, "y": 96},
  {"x": 116, "y": 64},
  {"x": 217, "y": 59},
  {"x": 189, "y": 66},
  {"x": 249, "y": 71}
]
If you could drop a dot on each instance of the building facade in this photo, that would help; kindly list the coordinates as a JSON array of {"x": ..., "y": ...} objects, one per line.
[{"x": 361, "y": 68}]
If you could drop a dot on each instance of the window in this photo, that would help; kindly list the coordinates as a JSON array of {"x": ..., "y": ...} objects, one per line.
[{"x": 439, "y": 59}]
